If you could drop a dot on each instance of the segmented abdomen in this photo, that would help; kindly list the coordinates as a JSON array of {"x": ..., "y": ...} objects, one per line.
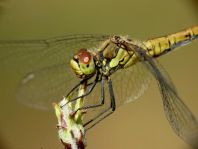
[{"x": 162, "y": 45}]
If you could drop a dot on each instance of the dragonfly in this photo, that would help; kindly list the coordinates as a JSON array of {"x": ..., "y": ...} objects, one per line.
[{"x": 115, "y": 70}]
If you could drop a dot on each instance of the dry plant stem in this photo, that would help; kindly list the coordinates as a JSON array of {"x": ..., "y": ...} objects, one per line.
[{"x": 70, "y": 123}]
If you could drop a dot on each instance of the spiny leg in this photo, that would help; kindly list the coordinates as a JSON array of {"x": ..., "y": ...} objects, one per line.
[
  {"x": 106, "y": 112},
  {"x": 76, "y": 87},
  {"x": 100, "y": 119},
  {"x": 101, "y": 102},
  {"x": 92, "y": 84}
]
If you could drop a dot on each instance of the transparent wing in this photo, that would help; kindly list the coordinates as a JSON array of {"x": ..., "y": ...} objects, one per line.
[
  {"x": 43, "y": 66},
  {"x": 131, "y": 83},
  {"x": 179, "y": 116},
  {"x": 23, "y": 56},
  {"x": 41, "y": 88},
  {"x": 128, "y": 84}
]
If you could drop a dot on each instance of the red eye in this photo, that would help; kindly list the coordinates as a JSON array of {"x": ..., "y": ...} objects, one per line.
[{"x": 84, "y": 56}]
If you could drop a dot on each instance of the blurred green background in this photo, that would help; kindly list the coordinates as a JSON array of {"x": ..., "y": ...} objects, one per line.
[{"x": 141, "y": 124}]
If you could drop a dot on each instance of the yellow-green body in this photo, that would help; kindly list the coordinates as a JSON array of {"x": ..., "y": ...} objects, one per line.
[
  {"x": 158, "y": 46},
  {"x": 113, "y": 53},
  {"x": 154, "y": 47}
]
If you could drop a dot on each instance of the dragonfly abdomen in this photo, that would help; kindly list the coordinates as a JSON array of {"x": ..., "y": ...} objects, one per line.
[{"x": 162, "y": 45}]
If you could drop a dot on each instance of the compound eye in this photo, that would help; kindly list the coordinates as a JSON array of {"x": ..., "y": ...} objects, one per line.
[
  {"x": 83, "y": 63},
  {"x": 84, "y": 56}
]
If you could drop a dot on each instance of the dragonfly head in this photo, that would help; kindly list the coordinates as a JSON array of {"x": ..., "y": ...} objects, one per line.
[{"x": 83, "y": 64}]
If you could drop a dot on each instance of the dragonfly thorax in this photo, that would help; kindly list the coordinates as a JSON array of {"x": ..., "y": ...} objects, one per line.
[{"x": 112, "y": 56}]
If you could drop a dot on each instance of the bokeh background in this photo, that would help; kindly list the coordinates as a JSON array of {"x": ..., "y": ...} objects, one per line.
[{"x": 141, "y": 124}]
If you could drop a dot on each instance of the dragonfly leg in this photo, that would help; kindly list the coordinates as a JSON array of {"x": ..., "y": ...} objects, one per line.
[
  {"x": 101, "y": 102},
  {"x": 99, "y": 118},
  {"x": 76, "y": 87},
  {"x": 93, "y": 84},
  {"x": 112, "y": 97},
  {"x": 107, "y": 111}
]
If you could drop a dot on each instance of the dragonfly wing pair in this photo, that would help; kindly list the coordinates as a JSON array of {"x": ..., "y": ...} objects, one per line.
[
  {"x": 43, "y": 66},
  {"x": 179, "y": 116}
]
